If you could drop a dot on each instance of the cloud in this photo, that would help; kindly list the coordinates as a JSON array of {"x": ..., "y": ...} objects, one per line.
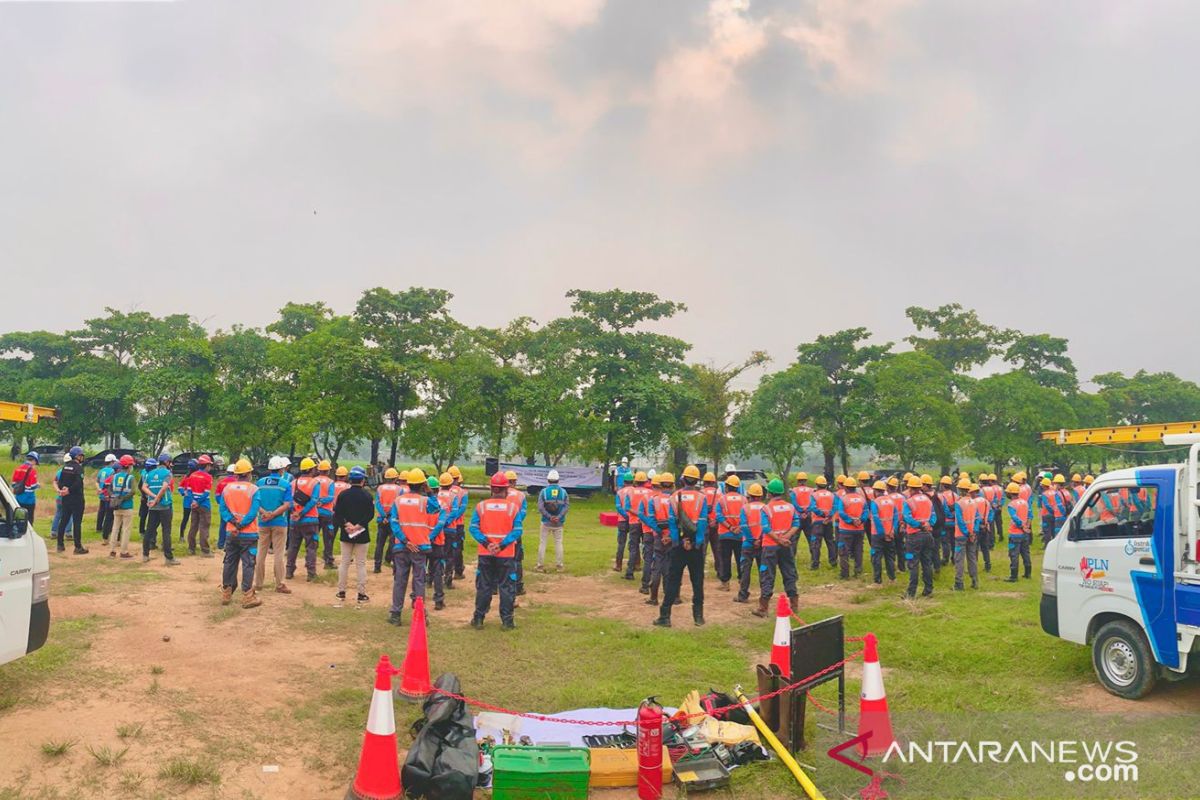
[{"x": 847, "y": 43}]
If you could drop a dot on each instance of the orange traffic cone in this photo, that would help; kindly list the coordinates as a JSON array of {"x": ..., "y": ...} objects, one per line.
[
  {"x": 415, "y": 685},
  {"x": 873, "y": 716},
  {"x": 378, "y": 776},
  {"x": 781, "y": 647}
]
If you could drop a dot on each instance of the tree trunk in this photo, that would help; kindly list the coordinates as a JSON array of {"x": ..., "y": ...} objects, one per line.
[
  {"x": 829, "y": 466},
  {"x": 374, "y": 451},
  {"x": 608, "y": 456},
  {"x": 679, "y": 457}
]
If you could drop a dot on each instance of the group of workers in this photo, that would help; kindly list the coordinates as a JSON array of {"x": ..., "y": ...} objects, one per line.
[
  {"x": 907, "y": 523},
  {"x": 421, "y": 523}
]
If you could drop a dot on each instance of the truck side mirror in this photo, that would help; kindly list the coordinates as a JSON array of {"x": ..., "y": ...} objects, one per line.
[{"x": 20, "y": 522}]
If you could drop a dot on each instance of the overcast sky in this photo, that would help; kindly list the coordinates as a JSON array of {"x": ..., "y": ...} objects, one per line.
[{"x": 784, "y": 168}]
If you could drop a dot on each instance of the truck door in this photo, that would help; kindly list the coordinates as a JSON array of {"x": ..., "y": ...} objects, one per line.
[
  {"x": 1107, "y": 541},
  {"x": 16, "y": 580}
]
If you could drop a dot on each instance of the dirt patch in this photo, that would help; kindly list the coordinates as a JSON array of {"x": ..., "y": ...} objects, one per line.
[{"x": 1167, "y": 699}]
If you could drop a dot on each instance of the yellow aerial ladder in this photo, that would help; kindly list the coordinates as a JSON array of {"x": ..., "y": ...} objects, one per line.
[
  {"x": 25, "y": 412},
  {"x": 1122, "y": 434}
]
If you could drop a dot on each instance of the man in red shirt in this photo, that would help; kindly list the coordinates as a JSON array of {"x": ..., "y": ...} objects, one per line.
[{"x": 198, "y": 496}]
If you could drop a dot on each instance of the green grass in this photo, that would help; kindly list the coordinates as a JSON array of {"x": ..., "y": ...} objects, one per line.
[
  {"x": 108, "y": 756},
  {"x": 23, "y": 681},
  {"x": 130, "y": 730},
  {"x": 56, "y": 748},
  {"x": 190, "y": 772}
]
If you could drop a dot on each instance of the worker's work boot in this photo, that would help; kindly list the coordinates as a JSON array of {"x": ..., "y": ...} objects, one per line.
[
  {"x": 283, "y": 589},
  {"x": 251, "y": 600},
  {"x": 794, "y": 600},
  {"x": 663, "y": 622},
  {"x": 617, "y": 563},
  {"x": 974, "y": 583},
  {"x": 761, "y": 611},
  {"x": 698, "y": 618},
  {"x": 653, "y": 599},
  {"x": 226, "y": 595},
  {"x": 394, "y": 618}
]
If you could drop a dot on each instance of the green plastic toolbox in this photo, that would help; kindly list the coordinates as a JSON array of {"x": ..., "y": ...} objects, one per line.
[{"x": 540, "y": 773}]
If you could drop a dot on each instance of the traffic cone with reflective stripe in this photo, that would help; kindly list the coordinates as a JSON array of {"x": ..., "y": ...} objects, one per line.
[
  {"x": 416, "y": 685},
  {"x": 873, "y": 716},
  {"x": 781, "y": 647},
  {"x": 378, "y": 776}
]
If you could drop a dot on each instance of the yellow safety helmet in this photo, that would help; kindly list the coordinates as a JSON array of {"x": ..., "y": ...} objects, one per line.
[
  {"x": 974, "y": 487},
  {"x": 734, "y": 481},
  {"x": 243, "y": 467},
  {"x": 455, "y": 472},
  {"x": 863, "y": 475},
  {"x": 755, "y": 490},
  {"x": 639, "y": 477},
  {"x": 1012, "y": 488},
  {"x": 822, "y": 480},
  {"x": 913, "y": 482},
  {"x": 709, "y": 477},
  {"x": 403, "y": 475},
  {"x": 691, "y": 471},
  {"x": 416, "y": 476},
  {"x": 926, "y": 480},
  {"x": 1045, "y": 482},
  {"x": 1019, "y": 476},
  {"x": 445, "y": 479},
  {"x": 306, "y": 464},
  {"x": 665, "y": 478},
  {"x": 511, "y": 475},
  {"x": 1076, "y": 478},
  {"x": 342, "y": 472},
  {"x": 1060, "y": 478},
  {"x": 850, "y": 483},
  {"x": 964, "y": 483},
  {"x": 893, "y": 481},
  {"x": 324, "y": 466},
  {"x": 946, "y": 480},
  {"x": 1088, "y": 480},
  {"x": 990, "y": 476},
  {"x": 880, "y": 486},
  {"x": 801, "y": 477},
  {"x": 390, "y": 474},
  {"x": 840, "y": 480}
]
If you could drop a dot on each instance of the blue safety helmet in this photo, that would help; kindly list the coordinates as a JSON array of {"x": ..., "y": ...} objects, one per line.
[
  {"x": 75, "y": 452},
  {"x": 33, "y": 454},
  {"x": 358, "y": 474},
  {"x": 164, "y": 457},
  {"x": 150, "y": 462},
  {"x": 193, "y": 463}
]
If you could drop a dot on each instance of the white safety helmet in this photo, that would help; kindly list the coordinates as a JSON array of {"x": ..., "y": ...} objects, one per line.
[
  {"x": 110, "y": 458},
  {"x": 651, "y": 473},
  {"x": 730, "y": 468},
  {"x": 624, "y": 459},
  {"x": 284, "y": 462},
  {"x": 552, "y": 476},
  {"x": 231, "y": 469},
  {"x": 274, "y": 463}
]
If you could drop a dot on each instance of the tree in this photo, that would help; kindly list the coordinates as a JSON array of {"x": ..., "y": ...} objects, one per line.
[
  {"x": 1004, "y": 414},
  {"x": 906, "y": 403},
  {"x": 718, "y": 401},
  {"x": 173, "y": 379},
  {"x": 627, "y": 374},
  {"x": 451, "y": 404},
  {"x": 1044, "y": 358},
  {"x": 841, "y": 360},
  {"x": 506, "y": 348},
  {"x": 252, "y": 408},
  {"x": 780, "y": 416},
  {"x": 553, "y": 419},
  {"x": 960, "y": 340}
]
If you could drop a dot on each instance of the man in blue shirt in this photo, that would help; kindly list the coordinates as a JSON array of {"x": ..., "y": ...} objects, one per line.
[
  {"x": 104, "y": 513},
  {"x": 274, "y": 507},
  {"x": 553, "y": 505},
  {"x": 158, "y": 486},
  {"x": 120, "y": 500}
]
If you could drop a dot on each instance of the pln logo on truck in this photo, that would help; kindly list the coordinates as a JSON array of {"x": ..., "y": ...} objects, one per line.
[{"x": 1093, "y": 567}]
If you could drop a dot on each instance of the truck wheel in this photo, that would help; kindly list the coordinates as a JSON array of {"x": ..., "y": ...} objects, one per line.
[{"x": 1123, "y": 661}]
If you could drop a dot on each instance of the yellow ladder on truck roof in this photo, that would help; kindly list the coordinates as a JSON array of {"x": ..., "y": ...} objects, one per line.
[
  {"x": 25, "y": 412},
  {"x": 1121, "y": 434}
]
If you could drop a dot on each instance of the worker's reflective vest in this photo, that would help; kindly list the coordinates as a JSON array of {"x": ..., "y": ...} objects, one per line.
[
  {"x": 966, "y": 515},
  {"x": 802, "y": 497},
  {"x": 949, "y": 500},
  {"x": 385, "y": 498},
  {"x": 338, "y": 488},
  {"x": 983, "y": 510},
  {"x": 662, "y": 509},
  {"x": 822, "y": 503},
  {"x": 625, "y": 497},
  {"x": 781, "y": 516},
  {"x": 497, "y": 519},
  {"x": 1025, "y": 492},
  {"x": 411, "y": 514},
  {"x": 711, "y": 493},
  {"x": 729, "y": 514},
  {"x": 897, "y": 499},
  {"x": 1110, "y": 507},
  {"x": 638, "y": 498},
  {"x": 920, "y": 508},
  {"x": 305, "y": 490},
  {"x": 854, "y": 508},
  {"x": 323, "y": 486},
  {"x": 883, "y": 509},
  {"x": 1018, "y": 517},
  {"x": 751, "y": 523},
  {"x": 239, "y": 501},
  {"x": 1053, "y": 504},
  {"x": 690, "y": 505}
]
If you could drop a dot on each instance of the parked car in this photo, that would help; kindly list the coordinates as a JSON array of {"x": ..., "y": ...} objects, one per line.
[
  {"x": 179, "y": 463},
  {"x": 51, "y": 453},
  {"x": 97, "y": 461},
  {"x": 749, "y": 476}
]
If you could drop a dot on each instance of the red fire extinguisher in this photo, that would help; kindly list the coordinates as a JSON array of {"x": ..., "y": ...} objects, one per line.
[{"x": 650, "y": 749}]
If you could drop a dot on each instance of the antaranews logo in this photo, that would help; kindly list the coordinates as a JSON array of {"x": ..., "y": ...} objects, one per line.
[{"x": 1083, "y": 760}]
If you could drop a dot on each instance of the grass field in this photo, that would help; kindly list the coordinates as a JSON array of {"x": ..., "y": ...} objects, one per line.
[{"x": 288, "y": 684}]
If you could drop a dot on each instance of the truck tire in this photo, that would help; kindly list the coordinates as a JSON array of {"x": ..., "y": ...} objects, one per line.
[{"x": 1123, "y": 661}]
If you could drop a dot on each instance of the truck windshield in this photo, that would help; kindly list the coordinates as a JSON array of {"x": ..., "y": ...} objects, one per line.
[{"x": 1119, "y": 512}]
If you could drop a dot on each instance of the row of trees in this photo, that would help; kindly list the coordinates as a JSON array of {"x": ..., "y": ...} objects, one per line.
[{"x": 402, "y": 374}]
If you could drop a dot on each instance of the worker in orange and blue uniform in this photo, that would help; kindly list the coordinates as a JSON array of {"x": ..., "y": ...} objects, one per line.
[
  {"x": 623, "y": 501},
  {"x": 416, "y": 521},
  {"x": 896, "y": 495},
  {"x": 728, "y": 549},
  {"x": 752, "y": 521},
  {"x": 851, "y": 512},
  {"x": 919, "y": 520},
  {"x": 966, "y": 536},
  {"x": 1020, "y": 531},
  {"x": 687, "y": 525},
  {"x": 782, "y": 524},
  {"x": 325, "y": 489},
  {"x": 496, "y": 525},
  {"x": 385, "y": 497},
  {"x": 1054, "y": 507},
  {"x": 801, "y": 497},
  {"x": 239, "y": 506},
  {"x": 983, "y": 508},
  {"x": 274, "y": 506},
  {"x": 638, "y": 494},
  {"x": 457, "y": 537},
  {"x": 654, "y": 513},
  {"x": 306, "y": 525},
  {"x": 820, "y": 512},
  {"x": 884, "y": 522}
]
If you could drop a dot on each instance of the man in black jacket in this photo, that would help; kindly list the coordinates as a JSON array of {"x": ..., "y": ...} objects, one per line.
[
  {"x": 352, "y": 515},
  {"x": 70, "y": 488}
]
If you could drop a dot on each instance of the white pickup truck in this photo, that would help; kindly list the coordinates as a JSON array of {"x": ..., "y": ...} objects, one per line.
[
  {"x": 24, "y": 582},
  {"x": 1124, "y": 574}
]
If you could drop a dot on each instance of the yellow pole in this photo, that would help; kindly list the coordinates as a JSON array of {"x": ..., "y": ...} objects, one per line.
[{"x": 807, "y": 785}]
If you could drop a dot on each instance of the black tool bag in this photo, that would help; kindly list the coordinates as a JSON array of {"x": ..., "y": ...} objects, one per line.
[{"x": 443, "y": 763}]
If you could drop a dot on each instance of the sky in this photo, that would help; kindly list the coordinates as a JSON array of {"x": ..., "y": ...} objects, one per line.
[{"x": 784, "y": 168}]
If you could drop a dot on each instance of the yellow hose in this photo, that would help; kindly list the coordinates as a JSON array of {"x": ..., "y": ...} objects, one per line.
[{"x": 807, "y": 785}]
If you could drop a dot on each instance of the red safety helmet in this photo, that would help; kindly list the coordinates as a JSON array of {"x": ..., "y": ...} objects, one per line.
[
  {"x": 126, "y": 461},
  {"x": 204, "y": 461},
  {"x": 499, "y": 481}
]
